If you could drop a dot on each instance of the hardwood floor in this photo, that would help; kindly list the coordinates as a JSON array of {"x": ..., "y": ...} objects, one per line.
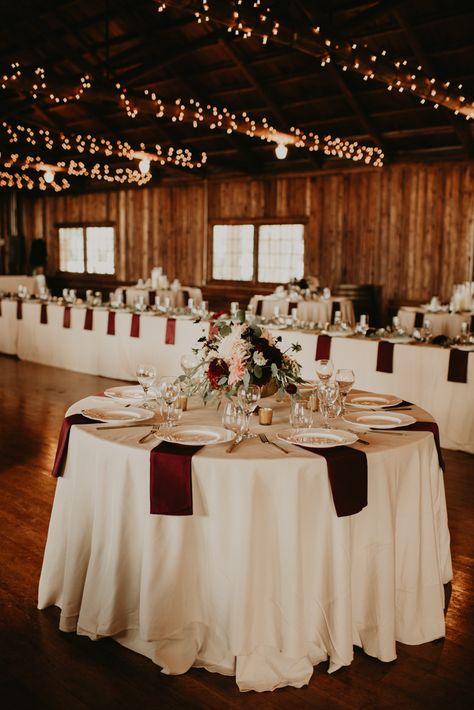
[{"x": 40, "y": 667}]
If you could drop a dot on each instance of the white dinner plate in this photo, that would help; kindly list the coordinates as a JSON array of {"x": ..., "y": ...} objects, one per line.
[
  {"x": 467, "y": 348},
  {"x": 127, "y": 393},
  {"x": 318, "y": 438},
  {"x": 372, "y": 401},
  {"x": 399, "y": 339},
  {"x": 117, "y": 415},
  {"x": 197, "y": 435},
  {"x": 338, "y": 333},
  {"x": 379, "y": 420}
]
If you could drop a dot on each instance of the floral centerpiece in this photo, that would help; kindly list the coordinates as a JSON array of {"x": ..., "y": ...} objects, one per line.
[{"x": 242, "y": 353}]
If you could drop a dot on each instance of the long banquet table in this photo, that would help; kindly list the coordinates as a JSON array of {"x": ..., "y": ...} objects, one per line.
[
  {"x": 263, "y": 581},
  {"x": 442, "y": 322},
  {"x": 419, "y": 371}
]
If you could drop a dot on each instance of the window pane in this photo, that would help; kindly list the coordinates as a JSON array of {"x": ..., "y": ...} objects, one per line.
[
  {"x": 71, "y": 249},
  {"x": 232, "y": 252},
  {"x": 100, "y": 250},
  {"x": 280, "y": 252}
]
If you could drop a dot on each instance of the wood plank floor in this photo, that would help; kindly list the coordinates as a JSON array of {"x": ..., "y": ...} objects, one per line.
[{"x": 41, "y": 667}]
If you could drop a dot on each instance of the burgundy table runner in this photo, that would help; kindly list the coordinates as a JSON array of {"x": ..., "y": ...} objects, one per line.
[
  {"x": 323, "y": 347},
  {"x": 419, "y": 319},
  {"x": 44, "y": 314},
  {"x": 88, "y": 319},
  {"x": 385, "y": 356},
  {"x": 61, "y": 451},
  {"x": 151, "y": 298},
  {"x": 111, "y": 323},
  {"x": 170, "y": 331},
  {"x": 135, "y": 327},
  {"x": 457, "y": 370},
  {"x": 67, "y": 317},
  {"x": 19, "y": 310},
  {"x": 171, "y": 491},
  {"x": 347, "y": 471},
  {"x": 471, "y": 325}
]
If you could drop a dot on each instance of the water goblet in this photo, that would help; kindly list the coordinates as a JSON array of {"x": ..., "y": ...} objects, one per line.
[
  {"x": 345, "y": 379},
  {"x": 324, "y": 369},
  {"x": 232, "y": 417},
  {"x": 301, "y": 416},
  {"x": 329, "y": 402},
  {"x": 168, "y": 391},
  {"x": 146, "y": 375},
  {"x": 248, "y": 398}
]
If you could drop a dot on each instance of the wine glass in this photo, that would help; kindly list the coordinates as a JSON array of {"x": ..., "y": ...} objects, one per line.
[
  {"x": 345, "y": 379},
  {"x": 328, "y": 401},
  {"x": 232, "y": 417},
  {"x": 324, "y": 369},
  {"x": 168, "y": 392},
  {"x": 146, "y": 375},
  {"x": 248, "y": 398}
]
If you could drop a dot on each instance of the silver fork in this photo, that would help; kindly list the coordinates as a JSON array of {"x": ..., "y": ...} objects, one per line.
[{"x": 265, "y": 440}]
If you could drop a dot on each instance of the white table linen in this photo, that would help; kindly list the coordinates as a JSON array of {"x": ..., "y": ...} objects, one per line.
[
  {"x": 442, "y": 322},
  {"x": 177, "y": 297},
  {"x": 10, "y": 284},
  {"x": 263, "y": 581},
  {"x": 309, "y": 311},
  {"x": 419, "y": 372}
]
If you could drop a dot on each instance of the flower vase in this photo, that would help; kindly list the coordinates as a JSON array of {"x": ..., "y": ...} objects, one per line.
[{"x": 269, "y": 389}]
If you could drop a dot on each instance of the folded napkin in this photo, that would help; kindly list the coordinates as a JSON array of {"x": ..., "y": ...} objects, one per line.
[
  {"x": 88, "y": 319},
  {"x": 419, "y": 319},
  {"x": 428, "y": 426},
  {"x": 347, "y": 471},
  {"x": 151, "y": 298},
  {"x": 185, "y": 296},
  {"x": 336, "y": 306},
  {"x": 457, "y": 370},
  {"x": 170, "y": 331},
  {"x": 19, "y": 310},
  {"x": 0, "y": 306},
  {"x": 258, "y": 307},
  {"x": 323, "y": 347},
  {"x": 471, "y": 324},
  {"x": 385, "y": 356},
  {"x": 111, "y": 323},
  {"x": 44, "y": 313},
  {"x": 135, "y": 327},
  {"x": 61, "y": 451},
  {"x": 67, "y": 317},
  {"x": 171, "y": 491}
]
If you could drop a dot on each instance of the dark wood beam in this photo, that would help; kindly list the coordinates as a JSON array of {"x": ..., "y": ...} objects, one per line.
[{"x": 366, "y": 16}]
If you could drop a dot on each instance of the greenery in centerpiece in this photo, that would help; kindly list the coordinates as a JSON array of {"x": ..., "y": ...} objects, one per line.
[{"x": 242, "y": 353}]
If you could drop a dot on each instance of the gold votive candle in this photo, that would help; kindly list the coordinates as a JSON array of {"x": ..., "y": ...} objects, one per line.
[
  {"x": 265, "y": 415},
  {"x": 182, "y": 402}
]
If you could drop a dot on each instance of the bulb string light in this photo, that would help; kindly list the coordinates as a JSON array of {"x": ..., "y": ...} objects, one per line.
[{"x": 24, "y": 181}]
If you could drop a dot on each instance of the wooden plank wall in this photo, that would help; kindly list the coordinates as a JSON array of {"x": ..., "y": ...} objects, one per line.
[{"x": 407, "y": 227}]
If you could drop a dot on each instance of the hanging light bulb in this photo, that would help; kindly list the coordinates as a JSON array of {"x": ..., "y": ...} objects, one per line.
[
  {"x": 48, "y": 175},
  {"x": 281, "y": 151},
  {"x": 144, "y": 166}
]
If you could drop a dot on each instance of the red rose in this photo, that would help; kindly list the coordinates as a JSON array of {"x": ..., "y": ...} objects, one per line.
[
  {"x": 291, "y": 388},
  {"x": 217, "y": 369}
]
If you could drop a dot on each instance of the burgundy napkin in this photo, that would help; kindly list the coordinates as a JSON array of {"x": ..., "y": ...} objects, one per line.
[
  {"x": 88, "y": 319},
  {"x": 19, "y": 310},
  {"x": 385, "y": 356},
  {"x": 213, "y": 330},
  {"x": 44, "y": 313},
  {"x": 323, "y": 347},
  {"x": 67, "y": 317},
  {"x": 170, "y": 331},
  {"x": 457, "y": 370},
  {"x": 471, "y": 325},
  {"x": 111, "y": 323},
  {"x": 336, "y": 306},
  {"x": 347, "y": 471},
  {"x": 258, "y": 307},
  {"x": 61, "y": 451},
  {"x": 419, "y": 318},
  {"x": 185, "y": 296},
  {"x": 0, "y": 306},
  {"x": 135, "y": 328},
  {"x": 428, "y": 426},
  {"x": 151, "y": 298},
  {"x": 171, "y": 491}
]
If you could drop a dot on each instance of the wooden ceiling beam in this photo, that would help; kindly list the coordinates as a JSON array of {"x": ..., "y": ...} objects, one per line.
[{"x": 361, "y": 19}]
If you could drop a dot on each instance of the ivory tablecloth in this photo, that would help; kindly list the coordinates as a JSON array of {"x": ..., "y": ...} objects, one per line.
[
  {"x": 178, "y": 297},
  {"x": 310, "y": 311},
  {"x": 442, "y": 323},
  {"x": 263, "y": 581}
]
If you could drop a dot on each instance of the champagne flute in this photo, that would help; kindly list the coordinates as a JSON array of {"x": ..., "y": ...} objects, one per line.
[
  {"x": 146, "y": 375},
  {"x": 324, "y": 370},
  {"x": 345, "y": 378},
  {"x": 168, "y": 392},
  {"x": 248, "y": 398}
]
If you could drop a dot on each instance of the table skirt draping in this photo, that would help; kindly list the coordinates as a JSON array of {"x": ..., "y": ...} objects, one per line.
[
  {"x": 419, "y": 371},
  {"x": 264, "y": 581},
  {"x": 442, "y": 323},
  {"x": 309, "y": 311},
  {"x": 177, "y": 296}
]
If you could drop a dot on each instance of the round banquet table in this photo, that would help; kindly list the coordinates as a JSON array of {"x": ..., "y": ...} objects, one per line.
[
  {"x": 309, "y": 311},
  {"x": 263, "y": 581},
  {"x": 442, "y": 322},
  {"x": 178, "y": 297}
]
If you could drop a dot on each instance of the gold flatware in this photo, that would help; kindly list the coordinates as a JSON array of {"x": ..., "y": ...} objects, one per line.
[
  {"x": 123, "y": 426},
  {"x": 265, "y": 440},
  {"x": 147, "y": 436},
  {"x": 236, "y": 442}
]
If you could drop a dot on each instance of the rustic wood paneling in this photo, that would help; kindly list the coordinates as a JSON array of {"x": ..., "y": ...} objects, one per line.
[{"x": 407, "y": 227}]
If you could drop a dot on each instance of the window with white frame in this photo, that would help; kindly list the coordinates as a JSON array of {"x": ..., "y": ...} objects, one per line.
[
  {"x": 257, "y": 253},
  {"x": 87, "y": 249}
]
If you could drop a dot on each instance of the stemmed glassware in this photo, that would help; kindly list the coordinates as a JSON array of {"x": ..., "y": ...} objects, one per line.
[
  {"x": 168, "y": 392},
  {"x": 248, "y": 399},
  {"x": 329, "y": 402},
  {"x": 146, "y": 375},
  {"x": 345, "y": 378},
  {"x": 232, "y": 417},
  {"x": 324, "y": 370}
]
